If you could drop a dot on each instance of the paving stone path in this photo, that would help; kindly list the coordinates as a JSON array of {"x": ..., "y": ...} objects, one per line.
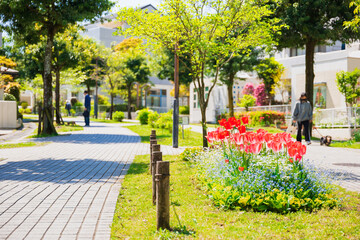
[{"x": 67, "y": 189}]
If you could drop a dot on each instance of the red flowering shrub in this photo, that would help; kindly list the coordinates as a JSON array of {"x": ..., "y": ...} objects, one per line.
[{"x": 260, "y": 95}]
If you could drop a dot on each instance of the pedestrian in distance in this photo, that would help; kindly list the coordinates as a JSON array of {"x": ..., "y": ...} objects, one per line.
[
  {"x": 87, "y": 104},
  {"x": 68, "y": 107},
  {"x": 303, "y": 115}
]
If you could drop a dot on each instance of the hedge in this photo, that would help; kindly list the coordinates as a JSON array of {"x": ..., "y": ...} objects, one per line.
[{"x": 262, "y": 118}]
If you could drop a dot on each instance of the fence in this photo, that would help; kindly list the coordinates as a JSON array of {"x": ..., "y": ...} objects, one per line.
[
  {"x": 337, "y": 117},
  {"x": 278, "y": 108}
]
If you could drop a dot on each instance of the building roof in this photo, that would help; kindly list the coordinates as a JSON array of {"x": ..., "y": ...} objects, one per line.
[
  {"x": 158, "y": 81},
  {"x": 8, "y": 70},
  {"x": 109, "y": 19}
]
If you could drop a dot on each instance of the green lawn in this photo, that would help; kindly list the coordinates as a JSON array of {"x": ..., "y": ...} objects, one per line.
[
  {"x": 19, "y": 145},
  {"x": 135, "y": 217},
  {"x": 68, "y": 128},
  {"x": 347, "y": 144},
  {"x": 164, "y": 137},
  {"x": 59, "y": 129},
  {"x": 103, "y": 120}
]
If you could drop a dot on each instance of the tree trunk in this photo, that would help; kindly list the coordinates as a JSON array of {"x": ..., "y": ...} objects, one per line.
[
  {"x": 231, "y": 99},
  {"x": 48, "y": 116},
  {"x": 204, "y": 127},
  {"x": 137, "y": 96},
  {"x": 112, "y": 106},
  {"x": 129, "y": 101},
  {"x": 309, "y": 85},
  {"x": 57, "y": 95},
  {"x": 88, "y": 88}
]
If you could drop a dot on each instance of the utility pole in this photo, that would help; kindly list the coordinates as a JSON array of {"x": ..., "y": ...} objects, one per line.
[{"x": 176, "y": 101}]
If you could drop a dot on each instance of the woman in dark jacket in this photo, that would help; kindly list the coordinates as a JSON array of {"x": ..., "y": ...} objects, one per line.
[{"x": 303, "y": 115}]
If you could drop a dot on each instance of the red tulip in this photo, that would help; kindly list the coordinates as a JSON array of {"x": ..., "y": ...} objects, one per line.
[
  {"x": 245, "y": 120},
  {"x": 241, "y": 169},
  {"x": 256, "y": 148},
  {"x": 226, "y": 160},
  {"x": 241, "y": 129},
  {"x": 291, "y": 160}
]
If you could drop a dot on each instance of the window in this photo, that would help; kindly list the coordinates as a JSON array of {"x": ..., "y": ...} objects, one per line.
[
  {"x": 74, "y": 94},
  {"x": 343, "y": 46},
  {"x": 320, "y": 95},
  {"x": 157, "y": 98}
]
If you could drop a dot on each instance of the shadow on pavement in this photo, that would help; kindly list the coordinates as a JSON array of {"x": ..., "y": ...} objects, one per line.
[
  {"x": 88, "y": 138},
  {"x": 62, "y": 171}
]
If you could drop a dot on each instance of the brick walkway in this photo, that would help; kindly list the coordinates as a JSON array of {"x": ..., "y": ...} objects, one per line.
[
  {"x": 69, "y": 188},
  {"x": 344, "y": 163}
]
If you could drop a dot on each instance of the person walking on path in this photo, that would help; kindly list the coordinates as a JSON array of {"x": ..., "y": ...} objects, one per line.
[
  {"x": 68, "y": 107},
  {"x": 303, "y": 115},
  {"x": 87, "y": 109}
]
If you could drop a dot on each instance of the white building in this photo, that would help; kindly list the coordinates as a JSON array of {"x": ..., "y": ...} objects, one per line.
[{"x": 329, "y": 60}]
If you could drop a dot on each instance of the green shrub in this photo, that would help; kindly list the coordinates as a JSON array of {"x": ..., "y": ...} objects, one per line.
[
  {"x": 73, "y": 112},
  {"x": 247, "y": 101},
  {"x": 143, "y": 116},
  {"x": 190, "y": 153},
  {"x": 24, "y": 105},
  {"x": 21, "y": 111},
  {"x": 9, "y": 97},
  {"x": 165, "y": 121},
  {"x": 152, "y": 118},
  {"x": 103, "y": 115},
  {"x": 118, "y": 116},
  {"x": 356, "y": 135},
  {"x": 103, "y": 100},
  {"x": 184, "y": 110},
  {"x": 77, "y": 104},
  {"x": 262, "y": 118}
]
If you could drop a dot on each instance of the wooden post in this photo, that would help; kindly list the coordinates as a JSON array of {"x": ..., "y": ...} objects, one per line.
[
  {"x": 152, "y": 142},
  {"x": 162, "y": 195},
  {"x": 156, "y": 157},
  {"x": 153, "y": 132}
]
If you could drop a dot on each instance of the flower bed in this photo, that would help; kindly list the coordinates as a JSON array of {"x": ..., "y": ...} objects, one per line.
[
  {"x": 262, "y": 118},
  {"x": 260, "y": 171}
]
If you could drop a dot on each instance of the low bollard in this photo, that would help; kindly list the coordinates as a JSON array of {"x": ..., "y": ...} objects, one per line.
[
  {"x": 162, "y": 195},
  {"x": 157, "y": 157},
  {"x": 152, "y": 142}
]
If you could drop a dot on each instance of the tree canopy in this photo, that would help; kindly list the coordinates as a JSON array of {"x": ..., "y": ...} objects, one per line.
[
  {"x": 312, "y": 23},
  {"x": 31, "y": 19},
  {"x": 202, "y": 30}
]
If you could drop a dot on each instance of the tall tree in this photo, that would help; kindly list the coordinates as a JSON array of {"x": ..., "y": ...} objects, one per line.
[
  {"x": 113, "y": 76},
  {"x": 166, "y": 67},
  {"x": 29, "y": 19},
  {"x": 348, "y": 85},
  {"x": 269, "y": 71},
  {"x": 65, "y": 56},
  {"x": 133, "y": 69},
  {"x": 245, "y": 61},
  {"x": 311, "y": 23},
  {"x": 203, "y": 30}
]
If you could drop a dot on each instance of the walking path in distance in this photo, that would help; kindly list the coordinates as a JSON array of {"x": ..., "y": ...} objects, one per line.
[{"x": 69, "y": 188}]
